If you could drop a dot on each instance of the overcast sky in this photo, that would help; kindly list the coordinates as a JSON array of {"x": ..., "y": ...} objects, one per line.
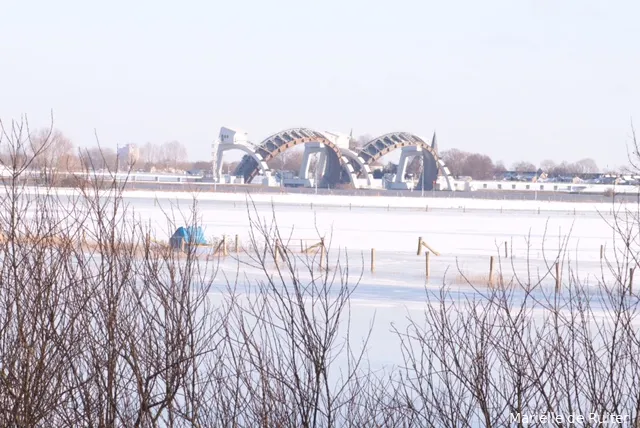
[{"x": 515, "y": 79}]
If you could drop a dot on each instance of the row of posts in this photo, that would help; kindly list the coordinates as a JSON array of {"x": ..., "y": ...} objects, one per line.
[
  {"x": 426, "y": 208},
  {"x": 557, "y": 276},
  {"x": 279, "y": 253}
]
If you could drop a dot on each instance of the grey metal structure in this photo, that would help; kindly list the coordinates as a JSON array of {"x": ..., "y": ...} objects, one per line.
[
  {"x": 284, "y": 140},
  {"x": 385, "y": 144},
  {"x": 343, "y": 165}
]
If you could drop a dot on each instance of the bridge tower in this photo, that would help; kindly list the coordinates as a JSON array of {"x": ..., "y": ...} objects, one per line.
[
  {"x": 233, "y": 139},
  {"x": 341, "y": 142}
]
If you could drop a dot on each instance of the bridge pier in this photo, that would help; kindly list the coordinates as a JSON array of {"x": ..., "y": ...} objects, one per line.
[
  {"x": 407, "y": 154},
  {"x": 311, "y": 149},
  {"x": 233, "y": 139}
]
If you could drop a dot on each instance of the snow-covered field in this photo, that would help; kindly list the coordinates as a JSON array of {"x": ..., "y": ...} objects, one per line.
[
  {"x": 466, "y": 232},
  {"x": 465, "y": 238}
]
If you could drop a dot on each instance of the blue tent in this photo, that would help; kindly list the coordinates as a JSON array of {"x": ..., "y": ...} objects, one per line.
[{"x": 188, "y": 235}]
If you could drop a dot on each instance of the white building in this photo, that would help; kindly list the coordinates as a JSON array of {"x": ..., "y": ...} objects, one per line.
[{"x": 128, "y": 155}]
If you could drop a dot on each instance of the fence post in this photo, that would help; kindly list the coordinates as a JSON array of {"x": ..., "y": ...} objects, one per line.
[
  {"x": 506, "y": 254},
  {"x": 420, "y": 245},
  {"x": 237, "y": 244},
  {"x": 301, "y": 247},
  {"x": 426, "y": 208},
  {"x": 558, "y": 282},
  {"x": 373, "y": 260},
  {"x": 631, "y": 280},
  {"x": 491, "y": 271},
  {"x": 427, "y": 264},
  {"x": 601, "y": 252},
  {"x": 225, "y": 252}
]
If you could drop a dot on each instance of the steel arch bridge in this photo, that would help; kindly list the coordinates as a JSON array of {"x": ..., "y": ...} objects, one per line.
[
  {"x": 387, "y": 143},
  {"x": 342, "y": 164},
  {"x": 284, "y": 140}
]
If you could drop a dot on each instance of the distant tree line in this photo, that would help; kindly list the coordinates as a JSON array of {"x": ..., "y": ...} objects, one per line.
[
  {"x": 481, "y": 167},
  {"x": 171, "y": 156},
  {"x": 61, "y": 154}
]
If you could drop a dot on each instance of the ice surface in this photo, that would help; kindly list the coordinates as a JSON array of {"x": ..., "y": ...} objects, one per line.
[{"x": 465, "y": 232}]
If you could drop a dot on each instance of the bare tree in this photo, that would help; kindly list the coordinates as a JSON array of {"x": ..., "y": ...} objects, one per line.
[
  {"x": 478, "y": 166},
  {"x": 54, "y": 150},
  {"x": 548, "y": 165},
  {"x": 173, "y": 152},
  {"x": 289, "y": 160},
  {"x": 98, "y": 158},
  {"x": 586, "y": 166},
  {"x": 524, "y": 166},
  {"x": 454, "y": 159}
]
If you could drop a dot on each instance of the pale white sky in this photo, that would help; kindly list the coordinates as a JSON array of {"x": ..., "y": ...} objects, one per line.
[{"x": 521, "y": 79}]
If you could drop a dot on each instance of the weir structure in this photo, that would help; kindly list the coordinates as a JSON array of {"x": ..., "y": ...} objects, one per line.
[{"x": 337, "y": 164}]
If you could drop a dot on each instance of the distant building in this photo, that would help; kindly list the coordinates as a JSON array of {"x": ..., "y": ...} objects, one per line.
[{"x": 128, "y": 155}]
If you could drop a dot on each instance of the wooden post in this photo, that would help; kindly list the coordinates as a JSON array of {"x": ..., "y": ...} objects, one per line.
[
  {"x": 321, "y": 253},
  {"x": 538, "y": 210},
  {"x": 426, "y": 208},
  {"x": 301, "y": 247},
  {"x": 237, "y": 244},
  {"x": 349, "y": 206},
  {"x": 631, "y": 280},
  {"x": 601, "y": 252},
  {"x": 388, "y": 207},
  {"x": 224, "y": 246},
  {"x": 558, "y": 282},
  {"x": 373, "y": 260},
  {"x": 427, "y": 264},
  {"x": 506, "y": 254},
  {"x": 491, "y": 271},
  {"x": 420, "y": 245},
  {"x": 500, "y": 210}
]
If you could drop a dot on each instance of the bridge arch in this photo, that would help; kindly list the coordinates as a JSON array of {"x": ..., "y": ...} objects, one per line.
[
  {"x": 359, "y": 168},
  {"x": 257, "y": 159},
  {"x": 284, "y": 140},
  {"x": 385, "y": 144}
]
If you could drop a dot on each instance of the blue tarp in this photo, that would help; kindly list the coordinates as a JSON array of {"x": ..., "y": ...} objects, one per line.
[{"x": 188, "y": 235}]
